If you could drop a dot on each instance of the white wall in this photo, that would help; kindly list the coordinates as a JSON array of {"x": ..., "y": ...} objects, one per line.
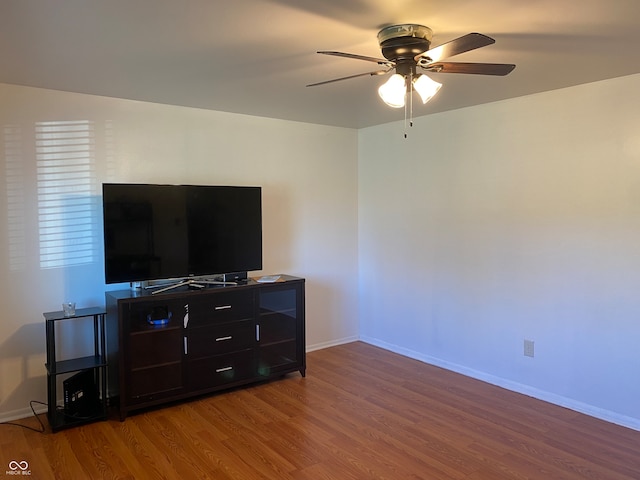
[
  {"x": 510, "y": 221},
  {"x": 309, "y": 179}
]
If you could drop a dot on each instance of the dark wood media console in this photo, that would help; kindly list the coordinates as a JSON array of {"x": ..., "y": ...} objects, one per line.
[{"x": 184, "y": 343}]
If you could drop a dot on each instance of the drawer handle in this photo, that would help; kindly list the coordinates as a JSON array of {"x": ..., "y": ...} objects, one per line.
[
  {"x": 224, "y": 369},
  {"x": 222, "y": 339},
  {"x": 222, "y": 307}
]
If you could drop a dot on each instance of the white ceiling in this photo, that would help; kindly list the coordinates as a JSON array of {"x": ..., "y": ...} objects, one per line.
[{"x": 256, "y": 56}]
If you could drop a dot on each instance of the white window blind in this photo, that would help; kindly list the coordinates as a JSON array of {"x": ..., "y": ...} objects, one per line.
[{"x": 66, "y": 178}]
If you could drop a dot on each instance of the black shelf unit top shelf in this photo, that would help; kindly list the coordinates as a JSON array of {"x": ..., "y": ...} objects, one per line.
[{"x": 80, "y": 312}]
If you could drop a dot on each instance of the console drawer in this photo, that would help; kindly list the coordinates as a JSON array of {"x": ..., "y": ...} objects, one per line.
[
  {"x": 222, "y": 369},
  {"x": 220, "y": 339},
  {"x": 221, "y": 307}
]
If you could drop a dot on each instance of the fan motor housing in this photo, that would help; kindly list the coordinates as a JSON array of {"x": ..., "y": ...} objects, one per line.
[{"x": 403, "y": 42}]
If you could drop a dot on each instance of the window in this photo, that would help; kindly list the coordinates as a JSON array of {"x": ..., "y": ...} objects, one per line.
[{"x": 66, "y": 183}]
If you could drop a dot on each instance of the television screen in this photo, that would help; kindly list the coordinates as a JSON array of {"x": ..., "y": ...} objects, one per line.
[{"x": 154, "y": 232}]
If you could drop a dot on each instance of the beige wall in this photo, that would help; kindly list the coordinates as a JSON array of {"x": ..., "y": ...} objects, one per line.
[{"x": 309, "y": 179}]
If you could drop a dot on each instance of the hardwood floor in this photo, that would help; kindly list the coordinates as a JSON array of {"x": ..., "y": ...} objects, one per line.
[{"x": 360, "y": 413}]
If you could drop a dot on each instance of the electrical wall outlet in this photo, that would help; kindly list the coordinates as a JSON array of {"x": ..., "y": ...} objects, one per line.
[{"x": 528, "y": 348}]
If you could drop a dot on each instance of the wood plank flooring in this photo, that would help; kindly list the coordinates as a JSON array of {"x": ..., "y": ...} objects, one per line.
[{"x": 360, "y": 413}]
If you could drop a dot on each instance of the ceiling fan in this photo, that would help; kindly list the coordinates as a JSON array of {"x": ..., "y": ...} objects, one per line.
[{"x": 406, "y": 48}]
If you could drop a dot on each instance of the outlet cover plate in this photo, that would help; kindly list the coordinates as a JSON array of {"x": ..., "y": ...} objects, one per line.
[{"x": 528, "y": 348}]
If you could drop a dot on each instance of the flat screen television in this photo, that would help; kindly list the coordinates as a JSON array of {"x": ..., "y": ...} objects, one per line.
[{"x": 157, "y": 232}]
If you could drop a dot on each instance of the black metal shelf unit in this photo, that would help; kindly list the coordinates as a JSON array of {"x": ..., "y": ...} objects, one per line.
[{"x": 89, "y": 402}]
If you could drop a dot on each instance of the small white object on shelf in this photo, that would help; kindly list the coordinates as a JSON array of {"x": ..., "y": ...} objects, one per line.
[{"x": 268, "y": 279}]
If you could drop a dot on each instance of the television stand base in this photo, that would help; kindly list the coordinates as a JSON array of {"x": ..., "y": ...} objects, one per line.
[{"x": 192, "y": 282}]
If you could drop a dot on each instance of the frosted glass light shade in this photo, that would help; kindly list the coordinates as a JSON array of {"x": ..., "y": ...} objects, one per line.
[
  {"x": 393, "y": 91},
  {"x": 426, "y": 87}
]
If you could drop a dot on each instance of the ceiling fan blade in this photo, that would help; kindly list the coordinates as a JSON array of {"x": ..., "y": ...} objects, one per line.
[
  {"x": 500, "y": 69},
  {"x": 466, "y": 43},
  {"x": 380, "y": 61},
  {"x": 378, "y": 72}
]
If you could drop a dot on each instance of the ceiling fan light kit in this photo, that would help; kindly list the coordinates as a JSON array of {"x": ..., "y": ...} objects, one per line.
[
  {"x": 406, "y": 48},
  {"x": 394, "y": 91}
]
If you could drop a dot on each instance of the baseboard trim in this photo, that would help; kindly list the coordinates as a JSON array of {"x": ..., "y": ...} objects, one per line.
[
  {"x": 602, "y": 414},
  {"x": 332, "y": 343},
  {"x": 22, "y": 413}
]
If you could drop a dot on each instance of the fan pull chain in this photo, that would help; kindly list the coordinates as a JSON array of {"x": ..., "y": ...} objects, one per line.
[
  {"x": 411, "y": 99},
  {"x": 405, "y": 119},
  {"x": 410, "y": 94}
]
